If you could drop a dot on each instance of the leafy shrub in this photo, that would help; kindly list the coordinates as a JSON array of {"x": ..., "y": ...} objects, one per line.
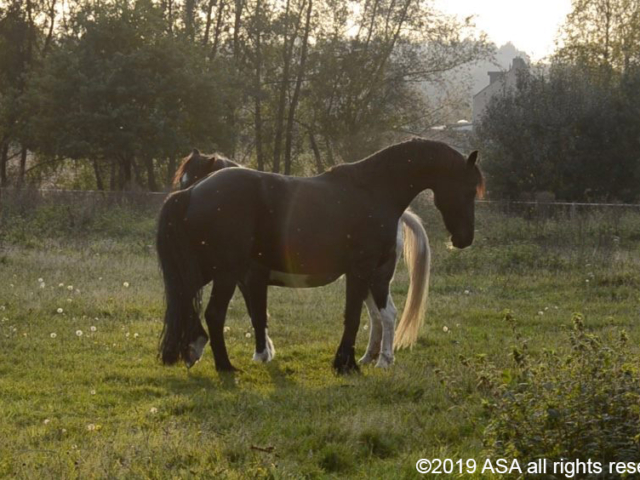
[{"x": 583, "y": 404}]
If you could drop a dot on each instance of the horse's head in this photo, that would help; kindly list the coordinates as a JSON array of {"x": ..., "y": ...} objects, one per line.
[
  {"x": 196, "y": 166},
  {"x": 455, "y": 197}
]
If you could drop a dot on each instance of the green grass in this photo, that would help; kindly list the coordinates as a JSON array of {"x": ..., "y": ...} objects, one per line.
[{"x": 101, "y": 405}]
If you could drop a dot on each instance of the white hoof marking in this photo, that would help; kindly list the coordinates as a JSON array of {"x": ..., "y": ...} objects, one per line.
[
  {"x": 267, "y": 355},
  {"x": 196, "y": 349},
  {"x": 368, "y": 358},
  {"x": 384, "y": 361}
]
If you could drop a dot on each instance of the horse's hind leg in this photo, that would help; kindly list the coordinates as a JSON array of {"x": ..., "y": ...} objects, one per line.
[
  {"x": 345, "y": 361},
  {"x": 196, "y": 345},
  {"x": 375, "y": 335},
  {"x": 388, "y": 316},
  {"x": 215, "y": 314}
]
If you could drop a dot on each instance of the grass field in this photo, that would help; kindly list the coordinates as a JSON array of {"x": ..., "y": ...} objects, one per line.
[{"x": 82, "y": 394}]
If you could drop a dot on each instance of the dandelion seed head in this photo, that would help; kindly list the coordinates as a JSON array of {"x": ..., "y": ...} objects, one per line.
[
  {"x": 445, "y": 329},
  {"x": 69, "y": 287},
  {"x": 93, "y": 328},
  {"x": 79, "y": 333},
  {"x": 136, "y": 335},
  {"x": 153, "y": 410},
  {"x": 42, "y": 285},
  {"x": 467, "y": 292},
  {"x": 61, "y": 285},
  {"x": 540, "y": 313},
  {"x": 125, "y": 284},
  {"x": 247, "y": 335},
  {"x": 93, "y": 392},
  {"x": 40, "y": 280},
  {"x": 53, "y": 335},
  {"x": 60, "y": 310},
  {"x": 227, "y": 329},
  {"x": 91, "y": 427}
]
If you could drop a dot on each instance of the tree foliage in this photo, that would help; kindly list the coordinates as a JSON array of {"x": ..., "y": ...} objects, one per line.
[
  {"x": 123, "y": 87},
  {"x": 573, "y": 129}
]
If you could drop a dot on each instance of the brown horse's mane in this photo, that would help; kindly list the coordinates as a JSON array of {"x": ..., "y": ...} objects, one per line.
[{"x": 186, "y": 160}]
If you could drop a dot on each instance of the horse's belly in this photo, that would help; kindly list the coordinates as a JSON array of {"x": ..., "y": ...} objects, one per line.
[{"x": 291, "y": 280}]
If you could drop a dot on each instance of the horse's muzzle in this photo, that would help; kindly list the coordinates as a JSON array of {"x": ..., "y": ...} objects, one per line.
[{"x": 462, "y": 242}]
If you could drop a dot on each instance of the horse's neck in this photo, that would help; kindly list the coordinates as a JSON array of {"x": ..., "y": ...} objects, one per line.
[{"x": 399, "y": 173}]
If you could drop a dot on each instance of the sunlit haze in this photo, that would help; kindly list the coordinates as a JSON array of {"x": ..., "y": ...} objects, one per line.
[{"x": 531, "y": 26}]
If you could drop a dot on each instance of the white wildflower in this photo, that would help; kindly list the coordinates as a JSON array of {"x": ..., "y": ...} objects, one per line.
[
  {"x": 60, "y": 310},
  {"x": 53, "y": 335},
  {"x": 79, "y": 333}
]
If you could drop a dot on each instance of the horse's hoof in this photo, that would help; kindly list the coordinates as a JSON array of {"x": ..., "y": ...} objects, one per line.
[
  {"x": 368, "y": 358},
  {"x": 227, "y": 369},
  {"x": 345, "y": 362},
  {"x": 262, "y": 357},
  {"x": 195, "y": 351},
  {"x": 267, "y": 354},
  {"x": 347, "y": 369},
  {"x": 384, "y": 361}
]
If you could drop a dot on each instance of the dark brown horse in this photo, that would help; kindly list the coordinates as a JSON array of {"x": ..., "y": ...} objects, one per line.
[
  {"x": 411, "y": 239},
  {"x": 257, "y": 229}
]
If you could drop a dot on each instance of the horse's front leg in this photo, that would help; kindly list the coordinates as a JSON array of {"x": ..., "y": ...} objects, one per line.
[
  {"x": 254, "y": 289},
  {"x": 215, "y": 315},
  {"x": 345, "y": 360}
]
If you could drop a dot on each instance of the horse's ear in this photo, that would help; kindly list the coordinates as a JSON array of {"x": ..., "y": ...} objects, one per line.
[
  {"x": 195, "y": 152},
  {"x": 472, "y": 159}
]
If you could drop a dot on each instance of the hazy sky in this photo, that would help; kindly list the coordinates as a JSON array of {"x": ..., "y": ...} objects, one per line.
[{"x": 531, "y": 25}]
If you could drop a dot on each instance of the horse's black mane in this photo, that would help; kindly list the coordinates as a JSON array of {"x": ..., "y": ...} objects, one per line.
[{"x": 383, "y": 162}]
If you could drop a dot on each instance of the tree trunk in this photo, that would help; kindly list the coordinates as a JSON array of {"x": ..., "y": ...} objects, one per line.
[
  {"x": 327, "y": 142},
  {"x": 151, "y": 176},
  {"x": 207, "y": 27},
  {"x": 236, "y": 29},
  {"x": 316, "y": 153},
  {"x": 171, "y": 170},
  {"x": 296, "y": 93},
  {"x": 277, "y": 147},
  {"x": 96, "y": 171},
  {"x": 4, "y": 160},
  {"x": 112, "y": 177},
  {"x": 23, "y": 166},
  {"x": 189, "y": 18},
  {"x": 52, "y": 21},
  {"x": 258, "y": 94},
  {"x": 216, "y": 33},
  {"x": 125, "y": 173},
  {"x": 137, "y": 174}
]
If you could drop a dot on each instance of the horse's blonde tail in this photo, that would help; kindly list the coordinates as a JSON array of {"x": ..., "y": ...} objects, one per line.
[{"x": 417, "y": 256}]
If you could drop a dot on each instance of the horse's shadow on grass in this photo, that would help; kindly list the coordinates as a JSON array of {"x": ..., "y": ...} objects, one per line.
[{"x": 197, "y": 380}]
